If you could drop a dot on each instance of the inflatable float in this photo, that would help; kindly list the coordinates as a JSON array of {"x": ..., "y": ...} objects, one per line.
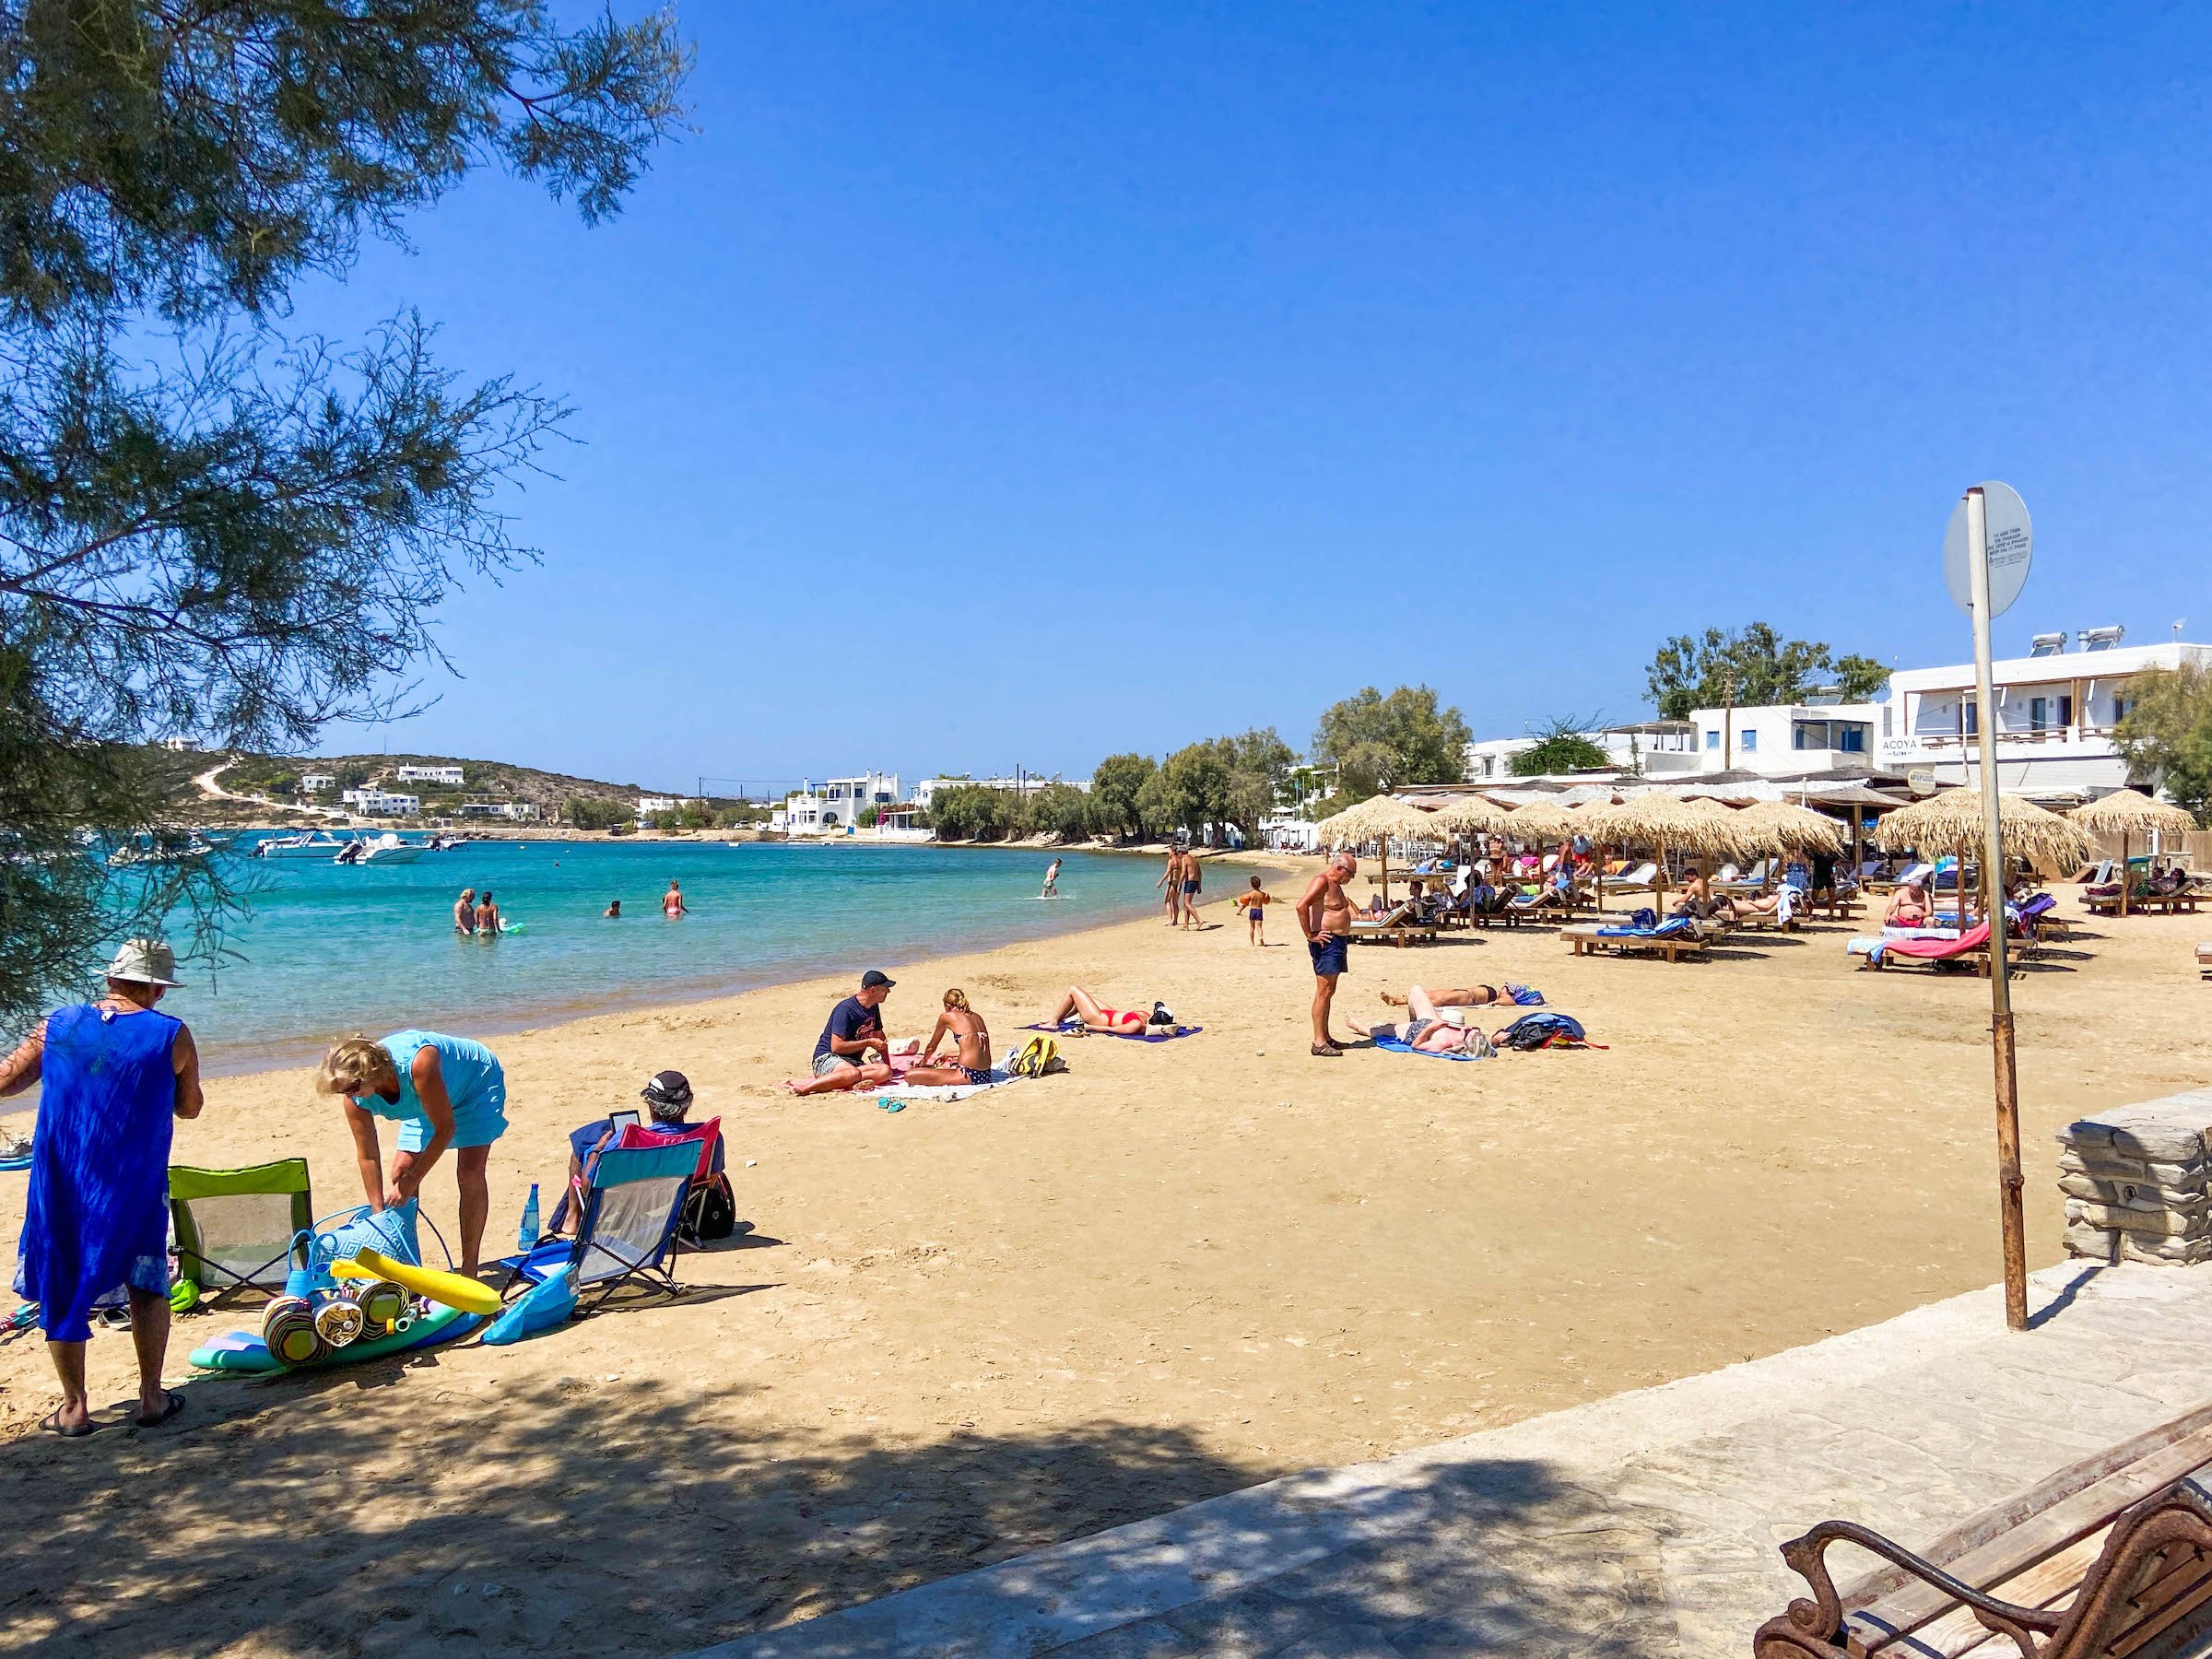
[
  {"x": 453, "y": 1290},
  {"x": 247, "y": 1351}
]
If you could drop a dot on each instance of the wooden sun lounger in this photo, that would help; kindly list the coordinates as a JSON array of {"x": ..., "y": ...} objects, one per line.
[
  {"x": 1400, "y": 934},
  {"x": 1584, "y": 939},
  {"x": 2109, "y": 1559},
  {"x": 2138, "y": 904}
]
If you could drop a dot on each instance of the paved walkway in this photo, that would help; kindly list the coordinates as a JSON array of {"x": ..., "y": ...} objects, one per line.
[{"x": 1639, "y": 1527}]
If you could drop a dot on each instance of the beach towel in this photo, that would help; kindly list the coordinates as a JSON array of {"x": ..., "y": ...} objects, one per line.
[
  {"x": 899, "y": 1094},
  {"x": 1152, "y": 1034},
  {"x": 1392, "y": 1045},
  {"x": 97, "y": 1214},
  {"x": 1919, "y": 950}
]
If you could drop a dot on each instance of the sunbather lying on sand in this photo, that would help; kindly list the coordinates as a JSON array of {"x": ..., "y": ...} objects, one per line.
[
  {"x": 1079, "y": 1004},
  {"x": 1425, "y": 1002},
  {"x": 1427, "y": 1030}
]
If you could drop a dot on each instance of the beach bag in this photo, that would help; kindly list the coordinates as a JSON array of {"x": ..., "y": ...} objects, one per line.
[
  {"x": 1040, "y": 1057},
  {"x": 391, "y": 1232},
  {"x": 1547, "y": 1030},
  {"x": 1644, "y": 917},
  {"x": 709, "y": 1212},
  {"x": 1526, "y": 997}
]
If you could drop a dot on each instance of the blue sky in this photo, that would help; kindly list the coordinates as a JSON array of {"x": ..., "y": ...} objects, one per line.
[{"x": 983, "y": 385}]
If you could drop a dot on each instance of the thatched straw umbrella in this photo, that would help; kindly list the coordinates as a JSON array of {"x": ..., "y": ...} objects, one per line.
[
  {"x": 1654, "y": 819},
  {"x": 1377, "y": 820},
  {"x": 1789, "y": 828},
  {"x": 1952, "y": 821},
  {"x": 1732, "y": 838},
  {"x": 1469, "y": 815},
  {"x": 2131, "y": 814}
]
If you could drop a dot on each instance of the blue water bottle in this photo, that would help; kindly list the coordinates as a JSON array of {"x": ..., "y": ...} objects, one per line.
[{"x": 527, "y": 1240}]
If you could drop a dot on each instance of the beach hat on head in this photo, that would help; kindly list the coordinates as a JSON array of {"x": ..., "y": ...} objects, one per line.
[
  {"x": 668, "y": 1091},
  {"x": 144, "y": 963},
  {"x": 874, "y": 977}
]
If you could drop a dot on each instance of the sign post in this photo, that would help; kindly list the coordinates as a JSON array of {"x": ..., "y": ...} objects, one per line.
[{"x": 1989, "y": 544}]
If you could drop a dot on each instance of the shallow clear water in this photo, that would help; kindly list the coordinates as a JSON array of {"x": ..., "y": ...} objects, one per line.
[{"x": 331, "y": 950}]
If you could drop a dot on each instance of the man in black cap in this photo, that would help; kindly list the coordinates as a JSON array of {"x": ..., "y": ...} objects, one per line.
[
  {"x": 855, "y": 1027},
  {"x": 667, "y": 1096}
]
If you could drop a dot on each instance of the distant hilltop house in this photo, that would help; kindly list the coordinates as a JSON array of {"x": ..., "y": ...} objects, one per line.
[
  {"x": 452, "y": 775},
  {"x": 526, "y": 812},
  {"x": 316, "y": 782},
  {"x": 378, "y": 803},
  {"x": 177, "y": 746},
  {"x": 651, "y": 806}
]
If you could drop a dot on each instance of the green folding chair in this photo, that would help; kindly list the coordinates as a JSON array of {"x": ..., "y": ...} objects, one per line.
[{"x": 235, "y": 1228}]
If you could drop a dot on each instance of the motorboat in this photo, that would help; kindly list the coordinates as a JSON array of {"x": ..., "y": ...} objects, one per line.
[
  {"x": 161, "y": 850},
  {"x": 385, "y": 849},
  {"x": 310, "y": 843}
]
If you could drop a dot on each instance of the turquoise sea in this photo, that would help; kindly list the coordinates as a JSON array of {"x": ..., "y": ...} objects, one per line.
[{"x": 328, "y": 951}]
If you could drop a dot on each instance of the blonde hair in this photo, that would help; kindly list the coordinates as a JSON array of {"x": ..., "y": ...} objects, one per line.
[
  {"x": 355, "y": 1065},
  {"x": 958, "y": 998}
]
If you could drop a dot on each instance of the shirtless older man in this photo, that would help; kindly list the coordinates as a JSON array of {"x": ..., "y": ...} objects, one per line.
[{"x": 1324, "y": 915}]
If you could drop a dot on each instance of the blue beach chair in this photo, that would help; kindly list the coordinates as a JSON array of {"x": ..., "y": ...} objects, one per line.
[{"x": 627, "y": 1237}]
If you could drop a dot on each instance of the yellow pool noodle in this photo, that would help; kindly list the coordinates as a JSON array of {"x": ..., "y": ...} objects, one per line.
[{"x": 451, "y": 1289}]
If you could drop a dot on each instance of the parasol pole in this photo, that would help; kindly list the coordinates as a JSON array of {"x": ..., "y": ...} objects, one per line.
[
  {"x": 2009, "y": 1180},
  {"x": 2126, "y": 874}
]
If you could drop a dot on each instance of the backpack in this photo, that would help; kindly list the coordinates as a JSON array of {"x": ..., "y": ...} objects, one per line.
[
  {"x": 1545, "y": 1031},
  {"x": 1040, "y": 1057},
  {"x": 710, "y": 1211}
]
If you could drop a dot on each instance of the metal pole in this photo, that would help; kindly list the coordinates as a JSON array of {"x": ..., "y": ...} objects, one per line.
[{"x": 2009, "y": 1180}]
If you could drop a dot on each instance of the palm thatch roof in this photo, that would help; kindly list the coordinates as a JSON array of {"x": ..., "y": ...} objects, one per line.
[
  {"x": 1379, "y": 817},
  {"x": 1652, "y": 819},
  {"x": 1467, "y": 814},
  {"x": 1945, "y": 822},
  {"x": 2128, "y": 812},
  {"x": 1786, "y": 829},
  {"x": 1728, "y": 825},
  {"x": 1540, "y": 820}
]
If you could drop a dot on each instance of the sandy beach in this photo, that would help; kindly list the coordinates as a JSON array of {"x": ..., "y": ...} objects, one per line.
[{"x": 963, "y": 1330}]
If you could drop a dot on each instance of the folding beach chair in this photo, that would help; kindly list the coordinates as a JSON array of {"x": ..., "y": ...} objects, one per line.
[
  {"x": 632, "y": 1210},
  {"x": 235, "y": 1227}
]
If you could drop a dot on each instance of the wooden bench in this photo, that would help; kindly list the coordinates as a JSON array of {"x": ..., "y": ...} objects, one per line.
[
  {"x": 1584, "y": 939},
  {"x": 2109, "y": 1559}
]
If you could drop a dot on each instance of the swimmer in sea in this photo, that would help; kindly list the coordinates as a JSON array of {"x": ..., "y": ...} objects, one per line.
[
  {"x": 487, "y": 917},
  {"x": 614, "y": 908},
  {"x": 672, "y": 902},
  {"x": 465, "y": 911},
  {"x": 1052, "y": 881}
]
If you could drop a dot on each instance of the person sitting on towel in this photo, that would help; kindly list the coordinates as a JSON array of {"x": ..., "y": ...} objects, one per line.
[{"x": 970, "y": 1061}]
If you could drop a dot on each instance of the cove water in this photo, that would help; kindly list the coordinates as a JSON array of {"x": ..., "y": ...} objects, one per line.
[{"x": 332, "y": 950}]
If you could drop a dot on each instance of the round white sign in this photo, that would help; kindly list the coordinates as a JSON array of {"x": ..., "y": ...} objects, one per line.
[{"x": 2011, "y": 541}]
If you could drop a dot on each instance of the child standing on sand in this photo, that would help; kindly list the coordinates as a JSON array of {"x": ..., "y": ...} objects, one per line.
[{"x": 1255, "y": 905}]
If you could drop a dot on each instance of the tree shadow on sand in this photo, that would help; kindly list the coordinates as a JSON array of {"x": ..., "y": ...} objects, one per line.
[{"x": 379, "y": 1511}]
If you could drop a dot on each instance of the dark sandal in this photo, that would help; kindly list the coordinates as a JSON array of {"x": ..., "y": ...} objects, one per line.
[
  {"x": 171, "y": 1403},
  {"x": 1326, "y": 1051},
  {"x": 52, "y": 1424}
]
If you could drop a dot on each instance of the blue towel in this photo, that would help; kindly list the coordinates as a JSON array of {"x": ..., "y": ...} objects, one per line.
[
  {"x": 96, "y": 1219},
  {"x": 1391, "y": 1045}
]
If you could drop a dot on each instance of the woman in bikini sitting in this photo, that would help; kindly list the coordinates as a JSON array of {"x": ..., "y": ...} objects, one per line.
[
  {"x": 1079, "y": 1004},
  {"x": 970, "y": 1061}
]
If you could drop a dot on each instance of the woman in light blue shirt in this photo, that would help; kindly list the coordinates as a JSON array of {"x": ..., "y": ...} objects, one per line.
[{"x": 445, "y": 1093}]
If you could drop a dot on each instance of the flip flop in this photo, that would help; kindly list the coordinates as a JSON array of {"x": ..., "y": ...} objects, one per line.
[
  {"x": 171, "y": 1403},
  {"x": 52, "y": 1424}
]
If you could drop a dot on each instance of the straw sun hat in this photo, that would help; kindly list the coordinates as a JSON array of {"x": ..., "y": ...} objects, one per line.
[{"x": 144, "y": 963}]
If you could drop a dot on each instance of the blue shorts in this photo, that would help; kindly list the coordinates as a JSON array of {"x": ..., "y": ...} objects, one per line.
[{"x": 1329, "y": 959}]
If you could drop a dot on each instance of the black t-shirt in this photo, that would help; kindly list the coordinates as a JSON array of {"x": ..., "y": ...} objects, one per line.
[{"x": 850, "y": 1020}]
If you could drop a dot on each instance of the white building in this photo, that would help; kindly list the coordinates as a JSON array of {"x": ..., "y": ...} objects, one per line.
[
  {"x": 837, "y": 806},
  {"x": 1650, "y": 748},
  {"x": 316, "y": 782},
  {"x": 2055, "y": 709},
  {"x": 1790, "y": 739},
  {"x": 651, "y": 807},
  {"x": 432, "y": 774},
  {"x": 525, "y": 812},
  {"x": 377, "y": 802}
]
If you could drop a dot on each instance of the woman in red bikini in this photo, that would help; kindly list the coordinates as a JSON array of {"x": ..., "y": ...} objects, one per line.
[{"x": 1079, "y": 1004}]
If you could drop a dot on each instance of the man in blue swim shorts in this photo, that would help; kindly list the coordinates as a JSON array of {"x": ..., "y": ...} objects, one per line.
[{"x": 1324, "y": 915}]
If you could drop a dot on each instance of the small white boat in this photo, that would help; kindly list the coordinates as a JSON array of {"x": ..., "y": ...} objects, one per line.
[
  {"x": 312, "y": 843},
  {"x": 385, "y": 849},
  {"x": 159, "y": 850}
]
